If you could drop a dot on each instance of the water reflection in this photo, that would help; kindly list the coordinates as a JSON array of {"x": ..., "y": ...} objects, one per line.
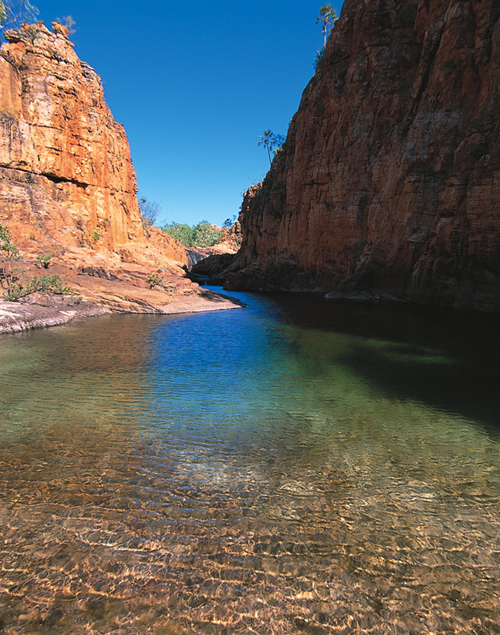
[{"x": 290, "y": 467}]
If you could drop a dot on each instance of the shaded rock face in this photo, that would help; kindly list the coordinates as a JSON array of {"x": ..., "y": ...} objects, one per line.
[
  {"x": 212, "y": 266},
  {"x": 389, "y": 181},
  {"x": 66, "y": 177}
]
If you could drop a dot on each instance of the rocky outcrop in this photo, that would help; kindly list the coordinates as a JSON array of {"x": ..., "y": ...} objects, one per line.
[
  {"x": 66, "y": 177},
  {"x": 229, "y": 243},
  {"x": 68, "y": 192},
  {"x": 15, "y": 317},
  {"x": 231, "y": 239},
  {"x": 388, "y": 184},
  {"x": 60, "y": 147},
  {"x": 210, "y": 268}
]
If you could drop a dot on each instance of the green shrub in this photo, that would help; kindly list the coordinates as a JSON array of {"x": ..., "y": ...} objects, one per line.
[
  {"x": 9, "y": 273},
  {"x": 320, "y": 59},
  {"x": 181, "y": 232},
  {"x": 44, "y": 284},
  {"x": 204, "y": 235},
  {"x": 201, "y": 235},
  {"x": 44, "y": 260},
  {"x": 154, "y": 280},
  {"x": 6, "y": 246}
]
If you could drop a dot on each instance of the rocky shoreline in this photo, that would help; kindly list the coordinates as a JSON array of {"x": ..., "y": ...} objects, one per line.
[
  {"x": 43, "y": 312},
  {"x": 17, "y": 316}
]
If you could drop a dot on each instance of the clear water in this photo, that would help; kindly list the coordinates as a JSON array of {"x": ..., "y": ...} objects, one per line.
[{"x": 291, "y": 467}]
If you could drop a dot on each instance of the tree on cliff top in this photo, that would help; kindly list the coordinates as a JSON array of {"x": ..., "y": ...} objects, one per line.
[
  {"x": 149, "y": 211},
  {"x": 327, "y": 16},
  {"x": 13, "y": 13},
  {"x": 271, "y": 142}
]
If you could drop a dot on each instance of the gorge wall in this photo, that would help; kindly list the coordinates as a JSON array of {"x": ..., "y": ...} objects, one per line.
[
  {"x": 68, "y": 197},
  {"x": 388, "y": 184},
  {"x": 66, "y": 177}
]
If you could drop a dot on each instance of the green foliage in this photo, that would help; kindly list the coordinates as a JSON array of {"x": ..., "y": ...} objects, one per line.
[
  {"x": 272, "y": 142},
  {"x": 154, "y": 280},
  {"x": 95, "y": 236},
  {"x": 204, "y": 235},
  {"x": 45, "y": 260},
  {"x": 320, "y": 59},
  {"x": 7, "y": 248},
  {"x": 327, "y": 17},
  {"x": 10, "y": 276},
  {"x": 229, "y": 222},
  {"x": 201, "y": 235},
  {"x": 69, "y": 23},
  {"x": 181, "y": 232},
  {"x": 44, "y": 284},
  {"x": 8, "y": 255},
  {"x": 13, "y": 13},
  {"x": 149, "y": 211}
]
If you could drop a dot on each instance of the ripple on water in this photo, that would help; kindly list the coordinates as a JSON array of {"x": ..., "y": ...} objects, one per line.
[{"x": 245, "y": 473}]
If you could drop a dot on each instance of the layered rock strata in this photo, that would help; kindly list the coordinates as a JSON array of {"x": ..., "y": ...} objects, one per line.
[
  {"x": 388, "y": 184},
  {"x": 65, "y": 165},
  {"x": 68, "y": 187}
]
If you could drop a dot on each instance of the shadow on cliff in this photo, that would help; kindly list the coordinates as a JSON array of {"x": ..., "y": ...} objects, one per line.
[{"x": 447, "y": 359}]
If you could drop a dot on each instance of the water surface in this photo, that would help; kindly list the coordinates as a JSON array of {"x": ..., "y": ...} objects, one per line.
[{"x": 290, "y": 467}]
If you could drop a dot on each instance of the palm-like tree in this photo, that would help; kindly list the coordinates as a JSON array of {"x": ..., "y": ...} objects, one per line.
[
  {"x": 327, "y": 16},
  {"x": 271, "y": 142}
]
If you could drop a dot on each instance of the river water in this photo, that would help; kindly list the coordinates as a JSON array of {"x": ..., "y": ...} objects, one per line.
[{"x": 294, "y": 466}]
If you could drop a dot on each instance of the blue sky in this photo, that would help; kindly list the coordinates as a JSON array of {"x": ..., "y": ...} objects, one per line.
[{"x": 195, "y": 85}]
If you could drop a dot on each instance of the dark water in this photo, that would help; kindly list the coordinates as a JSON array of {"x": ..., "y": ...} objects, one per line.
[{"x": 290, "y": 467}]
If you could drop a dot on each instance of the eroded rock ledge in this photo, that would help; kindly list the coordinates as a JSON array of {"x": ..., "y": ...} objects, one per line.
[
  {"x": 68, "y": 188},
  {"x": 102, "y": 283}
]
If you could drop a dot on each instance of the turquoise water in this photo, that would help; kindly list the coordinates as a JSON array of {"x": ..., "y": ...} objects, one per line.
[{"x": 294, "y": 466}]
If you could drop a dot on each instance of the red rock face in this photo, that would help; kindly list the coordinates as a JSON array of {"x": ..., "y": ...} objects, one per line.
[
  {"x": 389, "y": 181},
  {"x": 66, "y": 177}
]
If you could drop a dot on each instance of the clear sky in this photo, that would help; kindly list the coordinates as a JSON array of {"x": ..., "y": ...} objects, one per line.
[{"x": 195, "y": 84}]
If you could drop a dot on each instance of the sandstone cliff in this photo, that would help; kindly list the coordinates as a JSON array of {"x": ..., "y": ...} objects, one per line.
[
  {"x": 68, "y": 187},
  {"x": 389, "y": 181},
  {"x": 60, "y": 147}
]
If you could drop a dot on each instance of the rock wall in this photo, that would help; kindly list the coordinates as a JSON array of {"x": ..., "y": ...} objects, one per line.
[
  {"x": 66, "y": 177},
  {"x": 388, "y": 184}
]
